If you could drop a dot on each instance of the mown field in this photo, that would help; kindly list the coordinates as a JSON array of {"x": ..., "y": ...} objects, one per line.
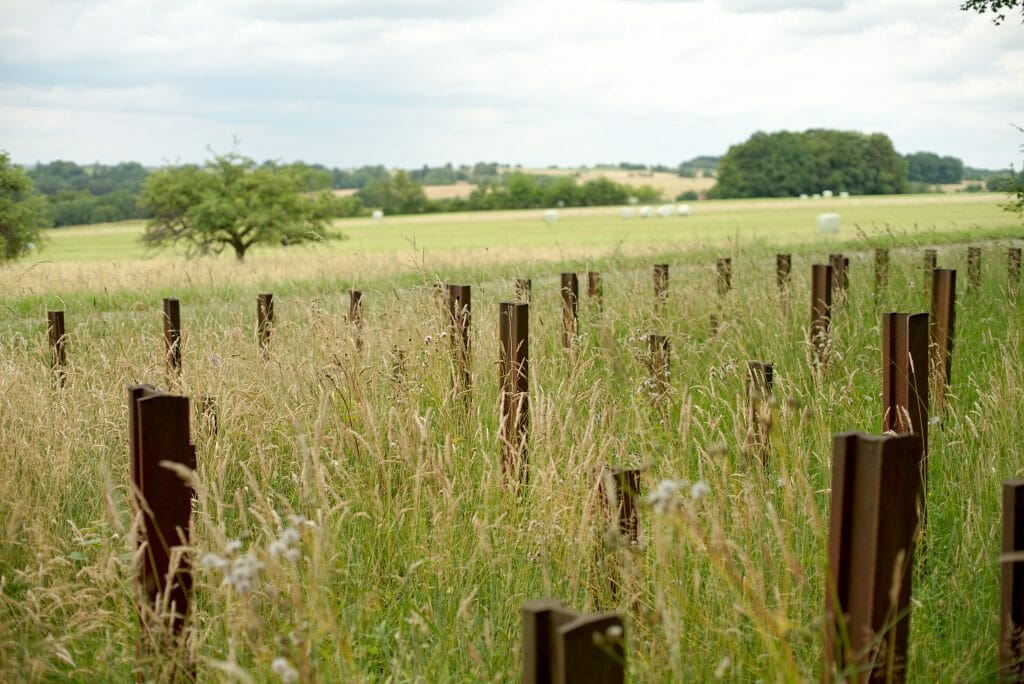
[{"x": 417, "y": 557}]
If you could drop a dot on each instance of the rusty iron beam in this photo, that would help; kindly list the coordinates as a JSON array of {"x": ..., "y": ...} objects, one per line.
[
  {"x": 905, "y": 374},
  {"x": 881, "y": 270},
  {"x": 973, "y": 268},
  {"x": 821, "y": 309},
  {"x": 873, "y": 524},
  {"x": 941, "y": 323},
  {"x": 783, "y": 271},
  {"x": 570, "y": 309},
  {"x": 760, "y": 378},
  {"x": 58, "y": 345},
  {"x": 514, "y": 372},
  {"x": 620, "y": 491},
  {"x": 594, "y": 289},
  {"x": 931, "y": 260},
  {"x": 840, "y": 273},
  {"x": 1011, "y": 603},
  {"x": 1013, "y": 260},
  {"x": 355, "y": 316},
  {"x": 659, "y": 364},
  {"x": 460, "y": 312},
  {"x": 264, "y": 320},
  {"x": 723, "y": 271},
  {"x": 172, "y": 333},
  {"x": 159, "y": 435},
  {"x": 561, "y": 646},
  {"x": 660, "y": 284},
  {"x": 524, "y": 287}
]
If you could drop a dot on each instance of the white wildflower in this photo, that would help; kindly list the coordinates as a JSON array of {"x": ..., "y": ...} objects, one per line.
[
  {"x": 213, "y": 561},
  {"x": 290, "y": 536},
  {"x": 244, "y": 572},
  {"x": 283, "y": 669},
  {"x": 699, "y": 491},
  {"x": 234, "y": 546},
  {"x": 292, "y": 555},
  {"x": 665, "y": 496},
  {"x": 277, "y": 548}
]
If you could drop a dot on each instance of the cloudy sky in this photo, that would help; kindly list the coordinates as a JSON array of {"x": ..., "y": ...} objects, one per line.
[{"x": 537, "y": 82}]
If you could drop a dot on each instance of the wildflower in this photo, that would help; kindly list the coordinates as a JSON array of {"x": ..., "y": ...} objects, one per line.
[
  {"x": 213, "y": 561},
  {"x": 243, "y": 573},
  {"x": 292, "y": 555},
  {"x": 283, "y": 669},
  {"x": 234, "y": 546},
  {"x": 666, "y": 495},
  {"x": 277, "y": 548},
  {"x": 699, "y": 491}
]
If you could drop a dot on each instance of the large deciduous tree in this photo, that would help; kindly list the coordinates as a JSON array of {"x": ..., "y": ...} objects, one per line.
[
  {"x": 231, "y": 203},
  {"x": 999, "y": 8},
  {"x": 22, "y": 211}
]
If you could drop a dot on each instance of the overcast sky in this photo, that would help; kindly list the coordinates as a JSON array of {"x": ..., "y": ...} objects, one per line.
[{"x": 537, "y": 82}]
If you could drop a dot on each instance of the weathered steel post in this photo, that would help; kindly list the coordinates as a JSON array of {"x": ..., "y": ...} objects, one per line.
[
  {"x": 941, "y": 323},
  {"x": 460, "y": 319},
  {"x": 821, "y": 309},
  {"x": 172, "y": 333},
  {"x": 514, "y": 371},
  {"x": 264, "y": 320},
  {"x": 570, "y": 309},
  {"x": 561, "y": 646},
  {"x": 58, "y": 351},
  {"x": 1011, "y": 608}
]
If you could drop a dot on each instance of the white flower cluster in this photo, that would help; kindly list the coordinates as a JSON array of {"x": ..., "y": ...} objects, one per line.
[
  {"x": 438, "y": 336},
  {"x": 715, "y": 373},
  {"x": 285, "y": 670},
  {"x": 667, "y": 494},
  {"x": 287, "y": 544},
  {"x": 241, "y": 571}
]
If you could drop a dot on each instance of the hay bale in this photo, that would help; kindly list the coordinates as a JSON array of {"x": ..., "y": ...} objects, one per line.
[
  {"x": 828, "y": 223},
  {"x": 844, "y": 195},
  {"x": 827, "y": 194},
  {"x": 646, "y": 212},
  {"x": 804, "y": 195},
  {"x": 683, "y": 210},
  {"x": 626, "y": 213},
  {"x": 550, "y": 216},
  {"x": 666, "y": 211},
  {"x": 377, "y": 215}
]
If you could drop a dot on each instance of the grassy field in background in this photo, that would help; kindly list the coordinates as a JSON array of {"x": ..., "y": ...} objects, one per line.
[{"x": 417, "y": 557}]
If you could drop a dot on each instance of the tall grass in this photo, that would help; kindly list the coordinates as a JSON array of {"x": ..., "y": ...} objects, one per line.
[{"x": 416, "y": 556}]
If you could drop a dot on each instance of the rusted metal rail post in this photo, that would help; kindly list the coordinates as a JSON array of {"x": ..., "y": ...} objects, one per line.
[
  {"x": 840, "y": 274},
  {"x": 905, "y": 374},
  {"x": 873, "y": 524},
  {"x": 58, "y": 351},
  {"x": 659, "y": 365},
  {"x": 570, "y": 309},
  {"x": 660, "y": 285},
  {"x": 783, "y": 271},
  {"x": 973, "y": 268},
  {"x": 723, "y": 269},
  {"x": 523, "y": 289},
  {"x": 760, "y": 377},
  {"x": 881, "y": 271},
  {"x": 931, "y": 260},
  {"x": 594, "y": 289},
  {"x": 821, "y": 309},
  {"x": 460, "y": 309},
  {"x": 1011, "y": 608},
  {"x": 172, "y": 333},
  {"x": 561, "y": 646},
  {"x": 1013, "y": 260},
  {"x": 159, "y": 435},
  {"x": 264, "y": 320},
  {"x": 941, "y": 322},
  {"x": 514, "y": 371},
  {"x": 620, "y": 491},
  {"x": 355, "y": 316}
]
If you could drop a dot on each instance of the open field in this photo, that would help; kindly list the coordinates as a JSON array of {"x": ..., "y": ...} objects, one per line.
[{"x": 418, "y": 557}]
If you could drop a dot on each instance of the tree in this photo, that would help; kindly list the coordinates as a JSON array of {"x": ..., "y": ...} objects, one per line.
[
  {"x": 232, "y": 202},
  {"x": 996, "y": 7},
  {"x": 22, "y": 211},
  {"x": 397, "y": 194}
]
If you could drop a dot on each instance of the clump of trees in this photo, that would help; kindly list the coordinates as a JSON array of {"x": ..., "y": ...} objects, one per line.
[
  {"x": 22, "y": 211},
  {"x": 928, "y": 167},
  {"x": 787, "y": 164},
  {"x": 518, "y": 190},
  {"x": 90, "y": 194},
  {"x": 232, "y": 203}
]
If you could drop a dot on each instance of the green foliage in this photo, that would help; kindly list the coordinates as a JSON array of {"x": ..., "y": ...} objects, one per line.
[
  {"x": 230, "y": 202},
  {"x": 358, "y": 178},
  {"x": 997, "y": 7},
  {"x": 787, "y": 164},
  {"x": 90, "y": 194},
  {"x": 22, "y": 211},
  {"x": 704, "y": 165},
  {"x": 928, "y": 167},
  {"x": 687, "y": 196},
  {"x": 397, "y": 194}
]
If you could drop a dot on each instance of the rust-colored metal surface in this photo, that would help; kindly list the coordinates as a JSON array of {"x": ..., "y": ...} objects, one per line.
[
  {"x": 660, "y": 284},
  {"x": 172, "y": 333},
  {"x": 159, "y": 433},
  {"x": 1011, "y": 602},
  {"x": 659, "y": 364},
  {"x": 931, "y": 260},
  {"x": 905, "y": 374},
  {"x": 570, "y": 309},
  {"x": 973, "y": 268},
  {"x": 840, "y": 273},
  {"x": 760, "y": 377},
  {"x": 264, "y": 320},
  {"x": 561, "y": 646},
  {"x": 873, "y": 524},
  {"x": 523, "y": 289},
  {"x": 881, "y": 270},
  {"x": 723, "y": 271},
  {"x": 1013, "y": 260},
  {"x": 941, "y": 322},
  {"x": 514, "y": 372},
  {"x": 58, "y": 338},
  {"x": 783, "y": 271},
  {"x": 594, "y": 289},
  {"x": 355, "y": 316},
  {"x": 821, "y": 309},
  {"x": 460, "y": 311}
]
